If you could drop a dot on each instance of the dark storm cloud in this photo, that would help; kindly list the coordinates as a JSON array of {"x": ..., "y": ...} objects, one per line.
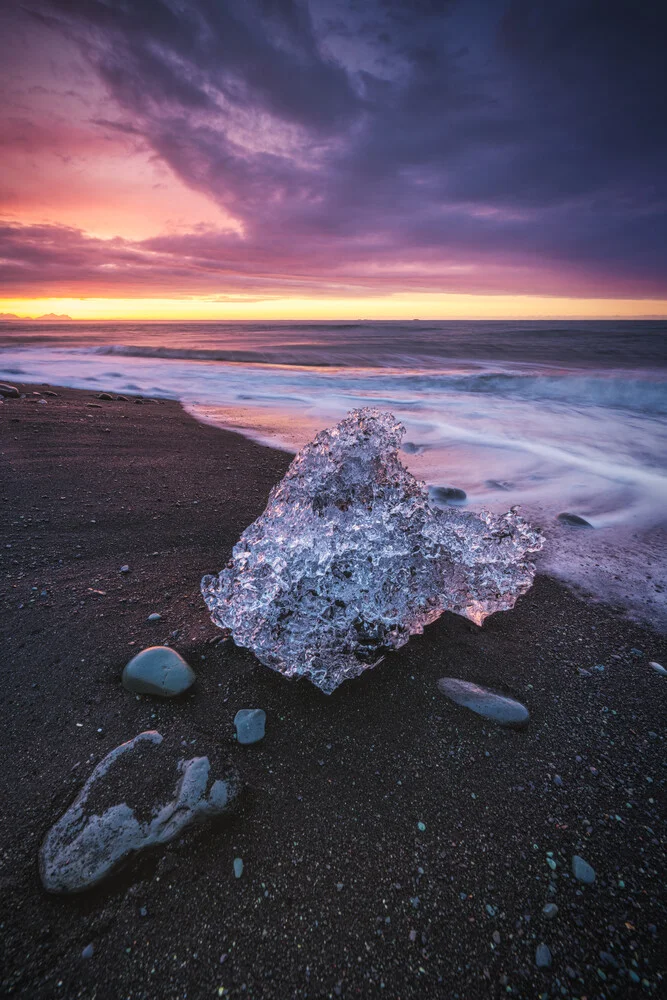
[{"x": 366, "y": 143}]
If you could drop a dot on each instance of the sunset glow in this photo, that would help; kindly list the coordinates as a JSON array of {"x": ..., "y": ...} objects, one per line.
[{"x": 152, "y": 170}]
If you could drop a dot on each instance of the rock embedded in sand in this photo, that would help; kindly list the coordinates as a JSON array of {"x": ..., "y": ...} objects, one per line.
[
  {"x": 155, "y": 617},
  {"x": 574, "y": 520},
  {"x": 658, "y": 667},
  {"x": 550, "y": 911},
  {"x": 582, "y": 871},
  {"x": 138, "y": 797},
  {"x": 491, "y": 705},
  {"x": 542, "y": 956},
  {"x": 10, "y": 391},
  {"x": 350, "y": 559},
  {"x": 447, "y": 494},
  {"x": 250, "y": 723},
  {"x": 158, "y": 670}
]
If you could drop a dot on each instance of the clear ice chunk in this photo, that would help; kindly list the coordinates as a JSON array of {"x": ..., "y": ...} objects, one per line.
[{"x": 350, "y": 559}]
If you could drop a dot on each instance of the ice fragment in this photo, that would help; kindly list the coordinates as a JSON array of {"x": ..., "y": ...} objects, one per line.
[{"x": 350, "y": 559}]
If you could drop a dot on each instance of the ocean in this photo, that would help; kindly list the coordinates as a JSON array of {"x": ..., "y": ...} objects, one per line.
[{"x": 550, "y": 416}]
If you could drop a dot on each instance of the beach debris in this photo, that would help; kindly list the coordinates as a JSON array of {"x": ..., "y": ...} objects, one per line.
[
  {"x": 250, "y": 723},
  {"x": 497, "y": 707},
  {"x": 238, "y": 867},
  {"x": 542, "y": 956},
  {"x": 658, "y": 667},
  {"x": 350, "y": 559},
  {"x": 158, "y": 670},
  {"x": 447, "y": 494},
  {"x": 124, "y": 808},
  {"x": 574, "y": 520},
  {"x": 549, "y": 911},
  {"x": 10, "y": 391},
  {"x": 582, "y": 871}
]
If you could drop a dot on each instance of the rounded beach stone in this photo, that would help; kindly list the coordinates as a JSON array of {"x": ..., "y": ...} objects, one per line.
[
  {"x": 582, "y": 871},
  {"x": 447, "y": 494},
  {"x": 489, "y": 704},
  {"x": 250, "y": 723},
  {"x": 158, "y": 670},
  {"x": 8, "y": 390},
  {"x": 574, "y": 520}
]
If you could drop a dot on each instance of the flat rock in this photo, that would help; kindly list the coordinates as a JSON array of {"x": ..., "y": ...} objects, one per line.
[
  {"x": 8, "y": 390},
  {"x": 250, "y": 723},
  {"x": 582, "y": 871},
  {"x": 141, "y": 795},
  {"x": 574, "y": 520},
  {"x": 158, "y": 670},
  {"x": 491, "y": 705},
  {"x": 447, "y": 494}
]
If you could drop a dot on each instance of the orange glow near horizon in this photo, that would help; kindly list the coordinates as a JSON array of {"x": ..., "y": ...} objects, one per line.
[{"x": 396, "y": 307}]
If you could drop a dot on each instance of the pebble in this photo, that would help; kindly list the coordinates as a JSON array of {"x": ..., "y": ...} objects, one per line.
[
  {"x": 574, "y": 520},
  {"x": 421, "y": 826},
  {"x": 542, "y": 956},
  {"x": 9, "y": 390},
  {"x": 158, "y": 670},
  {"x": 496, "y": 937},
  {"x": 658, "y": 667},
  {"x": 447, "y": 494},
  {"x": 550, "y": 911},
  {"x": 250, "y": 724},
  {"x": 124, "y": 569},
  {"x": 582, "y": 870},
  {"x": 83, "y": 847},
  {"x": 490, "y": 705},
  {"x": 558, "y": 781},
  {"x": 155, "y": 617},
  {"x": 238, "y": 867},
  {"x": 87, "y": 951}
]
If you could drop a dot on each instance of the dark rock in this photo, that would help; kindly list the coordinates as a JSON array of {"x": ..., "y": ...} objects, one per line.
[
  {"x": 574, "y": 520},
  {"x": 447, "y": 494},
  {"x": 9, "y": 390},
  {"x": 104, "y": 395}
]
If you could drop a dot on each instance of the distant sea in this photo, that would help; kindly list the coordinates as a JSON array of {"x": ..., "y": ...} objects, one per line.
[{"x": 552, "y": 416}]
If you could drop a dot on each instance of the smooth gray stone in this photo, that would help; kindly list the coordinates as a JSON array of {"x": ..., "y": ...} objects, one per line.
[
  {"x": 250, "y": 723},
  {"x": 238, "y": 867},
  {"x": 582, "y": 870},
  {"x": 497, "y": 707},
  {"x": 447, "y": 494},
  {"x": 155, "y": 617},
  {"x": 542, "y": 956},
  {"x": 94, "y": 837},
  {"x": 574, "y": 520},
  {"x": 550, "y": 911},
  {"x": 158, "y": 670},
  {"x": 658, "y": 667},
  {"x": 8, "y": 390}
]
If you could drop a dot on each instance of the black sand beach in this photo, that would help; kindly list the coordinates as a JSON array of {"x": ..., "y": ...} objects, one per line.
[{"x": 342, "y": 893}]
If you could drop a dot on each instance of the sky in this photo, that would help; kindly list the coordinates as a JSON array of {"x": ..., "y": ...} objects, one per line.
[{"x": 333, "y": 158}]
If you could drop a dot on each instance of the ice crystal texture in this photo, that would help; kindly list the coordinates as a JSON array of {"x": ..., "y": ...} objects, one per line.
[{"x": 350, "y": 559}]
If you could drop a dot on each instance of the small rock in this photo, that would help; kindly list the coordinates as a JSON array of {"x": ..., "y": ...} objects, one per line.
[
  {"x": 501, "y": 709},
  {"x": 550, "y": 911},
  {"x": 582, "y": 870},
  {"x": 250, "y": 723},
  {"x": 658, "y": 667},
  {"x": 104, "y": 395},
  {"x": 558, "y": 781},
  {"x": 158, "y": 670},
  {"x": 94, "y": 406},
  {"x": 139, "y": 402},
  {"x": 496, "y": 937},
  {"x": 574, "y": 520},
  {"x": 9, "y": 390},
  {"x": 447, "y": 494},
  {"x": 87, "y": 951},
  {"x": 155, "y": 617},
  {"x": 122, "y": 399},
  {"x": 238, "y": 867},
  {"x": 421, "y": 826},
  {"x": 100, "y": 830},
  {"x": 50, "y": 392},
  {"x": 124, "y": 569},
  {"x": 542, "y": 956},
  {"x": 583, "y": 672}
]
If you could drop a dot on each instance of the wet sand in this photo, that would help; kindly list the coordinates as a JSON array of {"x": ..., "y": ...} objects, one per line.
[{"x": 342, "y": 893}]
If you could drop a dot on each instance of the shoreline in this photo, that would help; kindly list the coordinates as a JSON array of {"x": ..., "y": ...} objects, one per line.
[{"x": 336, "y": 789}]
